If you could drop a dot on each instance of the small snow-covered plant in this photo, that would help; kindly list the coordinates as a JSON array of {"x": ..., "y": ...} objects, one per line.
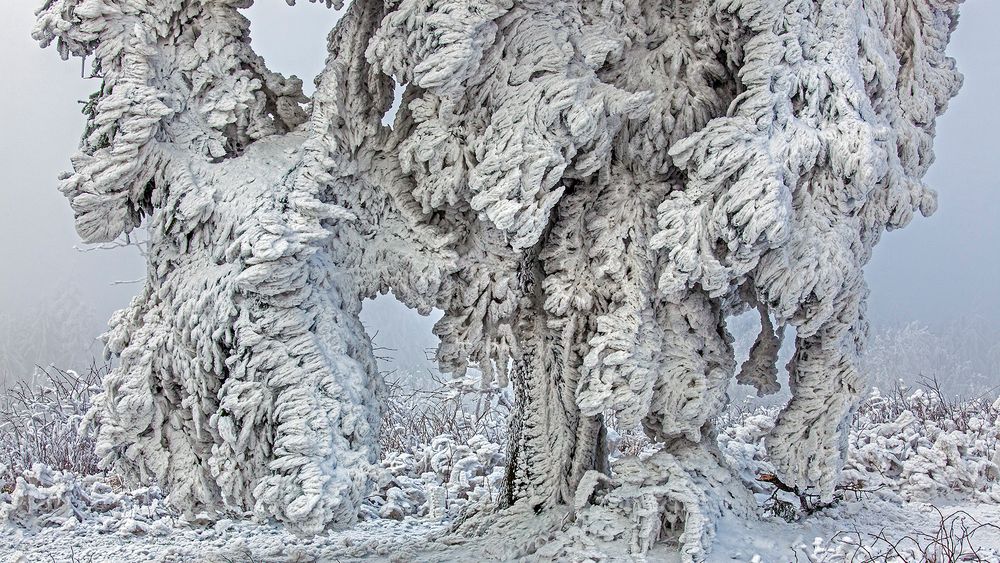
[
  {"x": 921, "y": 445},
  {"x": 460, "y": 408},
  {"x": 43, "y": 496},
  {"x": 41, "y": 422},
  {"x": 928, "y": 402},
  {"x": 901, "y": 446},
  {"x": 444, "y": 477},
  {"x": 443, "y": 447}
]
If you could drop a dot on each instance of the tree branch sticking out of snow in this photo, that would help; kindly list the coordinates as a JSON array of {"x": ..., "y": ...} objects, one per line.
[{"x": 586, "y": 188}]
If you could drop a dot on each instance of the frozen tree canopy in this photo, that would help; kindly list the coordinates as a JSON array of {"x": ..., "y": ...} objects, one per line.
[{"x": 586, "y": 188}]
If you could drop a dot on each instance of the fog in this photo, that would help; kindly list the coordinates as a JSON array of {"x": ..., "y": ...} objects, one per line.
[{"x": 55, "y": 298}]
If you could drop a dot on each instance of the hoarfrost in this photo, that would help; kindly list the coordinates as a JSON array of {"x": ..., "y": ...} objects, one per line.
[{"x": 586, "y": 189}]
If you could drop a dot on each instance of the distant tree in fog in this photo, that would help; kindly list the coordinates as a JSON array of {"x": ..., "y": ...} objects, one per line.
[
  {"x": 963, "y": 356},
  {"x": 60, "y": 329}
]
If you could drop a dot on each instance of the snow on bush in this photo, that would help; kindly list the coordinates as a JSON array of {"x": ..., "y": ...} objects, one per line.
[
  {"x": 450, "y": 450},
  {"x": 44, "y": 497},
  {"x": 922, "y": 446},
  {"x": 41, "y": 422},
  {"x": 911, "y": 445},
  {"x": 443, "y": 449},
  {"x": 439, "y": 479}
]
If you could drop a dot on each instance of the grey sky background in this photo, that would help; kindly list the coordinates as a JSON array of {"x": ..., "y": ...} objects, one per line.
[{"x": 935, "y": 271}]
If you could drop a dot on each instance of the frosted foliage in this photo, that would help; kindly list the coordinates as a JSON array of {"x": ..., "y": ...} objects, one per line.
[{"x": 587, "y": 189}]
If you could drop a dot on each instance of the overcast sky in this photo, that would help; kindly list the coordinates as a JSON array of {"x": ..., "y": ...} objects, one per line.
[{"x": 936, "y": 269}]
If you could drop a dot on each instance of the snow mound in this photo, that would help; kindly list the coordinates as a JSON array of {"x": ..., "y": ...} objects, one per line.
[
  {"x": 44, "y": 497},
  {"x": 439, "y": 479},
  {"x": 921, "y": 456}
]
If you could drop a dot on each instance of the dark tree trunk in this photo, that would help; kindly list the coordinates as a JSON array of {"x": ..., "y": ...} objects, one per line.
[{"x": 551, "y": 443}]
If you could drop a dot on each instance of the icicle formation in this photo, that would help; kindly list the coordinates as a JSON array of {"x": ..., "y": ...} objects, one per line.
[{"x": 587, "y": 189}]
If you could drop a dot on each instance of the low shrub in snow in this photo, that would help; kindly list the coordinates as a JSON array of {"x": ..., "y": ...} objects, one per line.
[
  {"x": 45, "y": 497},
  {"x": 438, "y": 479},
  {"x": 442, "y": 448},
  {"x": 41, "y": 422},
  {"x": 909, "y": 445},
  {"x": 956, "y": 538},
  {"x": 460, "y": 408},
  {"x": 922, "y": 445}
]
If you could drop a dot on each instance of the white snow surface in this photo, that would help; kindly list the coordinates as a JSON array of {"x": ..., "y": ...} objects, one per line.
[{"x": 132, "y": 536}]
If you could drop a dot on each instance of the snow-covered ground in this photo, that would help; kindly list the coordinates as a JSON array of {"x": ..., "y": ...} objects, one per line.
[
  {"x": 845, "y": 533},
  {"x": 922, "y": 483}
]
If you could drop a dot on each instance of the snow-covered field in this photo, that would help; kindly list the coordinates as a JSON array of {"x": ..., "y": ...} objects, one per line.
[
  {"x": 922, "y": 483},
  {"x": 850, "y": 531}
]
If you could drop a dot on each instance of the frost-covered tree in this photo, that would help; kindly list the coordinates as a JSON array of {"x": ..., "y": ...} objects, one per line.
[{"x": 586, "y": 188}]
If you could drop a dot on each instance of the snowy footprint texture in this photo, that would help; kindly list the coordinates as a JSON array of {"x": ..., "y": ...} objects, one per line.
[{"x": 587, "y": 189}]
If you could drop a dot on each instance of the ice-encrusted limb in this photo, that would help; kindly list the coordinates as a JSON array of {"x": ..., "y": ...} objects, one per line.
[
  {"x": 552, "y": 442},
  {"x": 760, "y": 370},
  {"x": 808, "y": 445},
  {"x": 473, "y": 141},
  {"x": 787, "y": 194},
  {"x": 171, "y": 74},
  {"x": 258, "y": 375}
]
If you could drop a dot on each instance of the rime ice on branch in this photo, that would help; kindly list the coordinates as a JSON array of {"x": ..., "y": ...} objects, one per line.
[{"x": 586, "y": 188}]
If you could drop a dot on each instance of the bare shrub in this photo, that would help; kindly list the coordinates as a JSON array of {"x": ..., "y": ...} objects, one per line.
[
  {"x": 460, "y": 408},
  {"x": 41, "y": 422},
  {"x": 953, "y": 540}
]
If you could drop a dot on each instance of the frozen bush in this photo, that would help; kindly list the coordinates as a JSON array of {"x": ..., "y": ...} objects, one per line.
[
  {"x": 461, "y": 408},
  {"x": 443, "y": 448},
  {"x": 41, "y": 422},
  {"x": 922, "y": 445}
]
